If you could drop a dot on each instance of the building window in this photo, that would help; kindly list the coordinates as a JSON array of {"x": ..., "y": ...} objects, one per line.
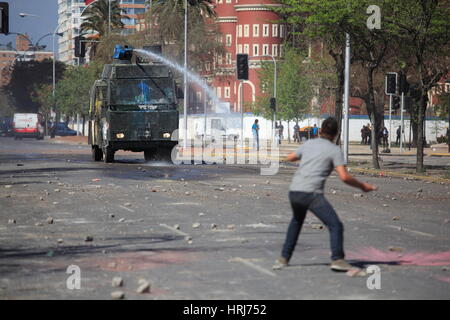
[
  {"x": 226, "y": 92},
  {"x": 239, "y": 48},
  {"x": 274, "y": 30},
  {"x": 240, "y": 31},
  {"x": 219, "y": 1},
  {"x": 275, "y": 50},
  {"x": 246, "y": 49},
  {"x": 208, "y": 66},
  {"x": 265, "y": 49},
  {"x": 246, "y": 30},
  {"x": 256, "y": 30},
  {"x": 255, "y": 49},
  {"x": 199, "y": 95},
  {"x": 229, "y": 40},
  {"x": 281, "y": 31},
  {"x": 219, "y": 92},
  {"x": 228, "y": 1},
  {"x": 265, "y": 30},
  {"x": 219, "y": 59},
  {"x": 228, "y": 58}
]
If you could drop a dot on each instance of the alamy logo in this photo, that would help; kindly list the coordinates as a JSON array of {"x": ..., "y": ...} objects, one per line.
[
  {"x": 74, "y": 280},
  {"x": 374, "y": 20},
  {"x": 374, "y": 280}
]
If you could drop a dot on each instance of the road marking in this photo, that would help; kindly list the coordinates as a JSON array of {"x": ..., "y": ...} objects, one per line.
[
  {"x": 413, "y": 231},
  {"x": 173, "y": 229},
  {"x": 184, "y": 204},
  {"x": 128, "y": 209},
  {"x": 253, "y": 266}
]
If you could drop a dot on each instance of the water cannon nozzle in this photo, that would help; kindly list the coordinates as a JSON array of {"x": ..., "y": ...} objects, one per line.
[{"x": 122, "y": 53}]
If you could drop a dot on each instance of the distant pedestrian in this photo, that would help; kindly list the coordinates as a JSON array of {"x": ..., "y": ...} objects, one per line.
[
  {"x": 399, "y": 133},
  {"x": 255, "y": 132},
  {"x": 369, "y": 134},
  {"x": 280, "y": 132},
  {"x": 363, "y": 135},
  {"x": 315, "y": 131},
  {"x": 317, "y": 158},
  {"x": 296, "y": 133},
  {"x": 385, "y": 136}
]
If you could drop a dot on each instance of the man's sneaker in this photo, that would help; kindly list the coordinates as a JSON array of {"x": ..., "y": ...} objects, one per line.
[
  {"x": 340, "y": 265},
  {"x": 280, "y": 264}
]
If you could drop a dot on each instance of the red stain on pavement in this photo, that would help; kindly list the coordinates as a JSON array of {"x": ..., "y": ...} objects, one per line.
[
  {"x": 445, "y": 279},
  {"x": 371, "y": 254}
]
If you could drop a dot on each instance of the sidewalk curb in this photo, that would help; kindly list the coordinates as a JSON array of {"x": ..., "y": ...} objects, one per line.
[{"x": 400, "y": 175}]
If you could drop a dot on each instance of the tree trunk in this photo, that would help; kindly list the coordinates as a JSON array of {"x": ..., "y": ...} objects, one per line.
[{"x": 420, "y": 134}]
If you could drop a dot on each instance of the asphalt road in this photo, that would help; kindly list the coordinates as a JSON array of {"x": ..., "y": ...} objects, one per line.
[{"x": 204, "y": 231}]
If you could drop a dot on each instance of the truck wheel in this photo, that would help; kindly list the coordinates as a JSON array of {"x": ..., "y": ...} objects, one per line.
[
  {"x": 97, "y": 153},
  {"x": 149, "y": 154},
  {"x": 164, "y": 154},
  {"x": 108, "y": 155}
]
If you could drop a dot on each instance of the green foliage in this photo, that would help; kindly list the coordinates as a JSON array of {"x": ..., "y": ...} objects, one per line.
[
  {"x": 442, "y": 109},
  {"x": 72, "y": 91},
  {"x": 294, "y": 87},
  {"x": 96, "y": 17},
  {"x": 25, "y": 77}
]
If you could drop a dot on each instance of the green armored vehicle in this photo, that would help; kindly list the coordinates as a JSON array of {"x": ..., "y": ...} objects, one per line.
[{"x": 133, "y": 107}]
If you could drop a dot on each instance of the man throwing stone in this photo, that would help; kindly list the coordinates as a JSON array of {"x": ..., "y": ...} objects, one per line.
[{"x": 317, "y": 158}]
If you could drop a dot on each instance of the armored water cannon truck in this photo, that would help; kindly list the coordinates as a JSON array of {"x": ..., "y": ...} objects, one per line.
[{"x": 133, "y": 106}]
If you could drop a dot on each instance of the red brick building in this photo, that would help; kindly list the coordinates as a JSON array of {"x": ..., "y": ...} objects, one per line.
[{"x": 247, "y": 26}]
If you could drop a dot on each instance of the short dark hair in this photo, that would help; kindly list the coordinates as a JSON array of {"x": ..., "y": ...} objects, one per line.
[{"x": 329, "y": 127}]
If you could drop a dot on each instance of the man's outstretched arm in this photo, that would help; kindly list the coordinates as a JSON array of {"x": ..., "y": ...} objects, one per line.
[
  {"x": 350, "y": 180},
  {"x": 291, "y": 157}
]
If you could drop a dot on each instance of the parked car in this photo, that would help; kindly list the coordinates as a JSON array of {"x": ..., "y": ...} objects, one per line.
[
  {"x": 306, "y": 133},
  {"x": 63, "y": 130},
  {"x": 6, "y": 128},
  {"x": 28, "y": 125}
]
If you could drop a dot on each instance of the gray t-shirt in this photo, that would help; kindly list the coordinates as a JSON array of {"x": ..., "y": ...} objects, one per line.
[{"x": 318, "y": 157}]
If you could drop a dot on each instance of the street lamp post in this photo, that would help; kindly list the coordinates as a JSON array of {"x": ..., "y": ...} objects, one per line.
[{"x": 186, "y": 96}]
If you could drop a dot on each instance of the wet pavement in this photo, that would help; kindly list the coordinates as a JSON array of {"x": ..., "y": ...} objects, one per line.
[{"x": 204, "y": 231}]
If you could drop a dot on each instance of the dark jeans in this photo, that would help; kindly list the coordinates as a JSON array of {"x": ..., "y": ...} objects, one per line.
[{"x": 301, "y": 202}]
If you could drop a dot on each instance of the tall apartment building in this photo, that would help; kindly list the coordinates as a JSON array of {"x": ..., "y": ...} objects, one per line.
[{"x": 69, "y": 18}]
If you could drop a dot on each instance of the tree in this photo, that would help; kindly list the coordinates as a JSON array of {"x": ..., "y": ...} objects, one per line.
[
  {"x": 166, "y": 27},
  {"x": 96, "y": 17},
  {"x": 25, "y": 76},
  {"x": 422, "y": 27},
  {"x": 318, "y": 20},
  {"x": 72, "y": 91},
  {"x": 294, "y": 87}
]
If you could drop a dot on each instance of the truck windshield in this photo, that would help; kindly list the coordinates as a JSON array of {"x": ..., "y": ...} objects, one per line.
[{"x": 144, "y": 91}]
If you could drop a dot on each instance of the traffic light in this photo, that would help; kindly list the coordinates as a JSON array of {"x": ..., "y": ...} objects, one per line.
[
  {"x": 403, "y": 84},
  {"x": 4, "y": 17},
  {"x": 242, "y": 66},
  {"x": 122, "y": 53},
  {"x": 273, "y": 104},
  {"x": 391, "y": 83},
  {"x": 395, "y": 102},
  {"x": 80, "y": 47}
]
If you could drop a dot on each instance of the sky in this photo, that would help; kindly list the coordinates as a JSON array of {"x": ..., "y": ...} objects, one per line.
[{"x": 35, "y": 27}]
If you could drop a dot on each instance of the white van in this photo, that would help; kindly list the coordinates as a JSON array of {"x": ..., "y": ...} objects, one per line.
[{"x": 28, "y": 125}]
